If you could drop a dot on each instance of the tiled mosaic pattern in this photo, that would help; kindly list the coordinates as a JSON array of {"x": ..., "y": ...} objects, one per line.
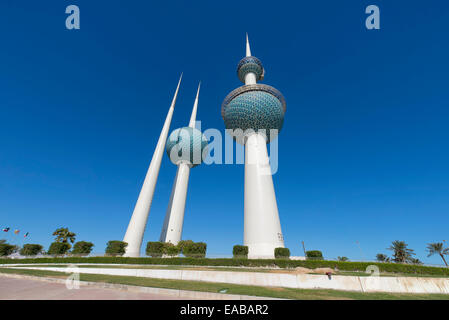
[
  {"x": 254, "y": 110},
  {"x": 189, "y": 144},
  {"x": 247, "y": 65}
]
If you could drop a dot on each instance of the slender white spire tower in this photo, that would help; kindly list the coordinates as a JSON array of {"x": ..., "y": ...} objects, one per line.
[
  {"x": 191, "y": 143},
  {"x": 255, "y": 114},
  {"x": 137, "y": 224}
]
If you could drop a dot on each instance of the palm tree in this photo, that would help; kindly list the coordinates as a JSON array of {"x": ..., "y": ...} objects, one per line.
[
  {"x": 382, "y": 258},
  {"x": 343, "y": 258},
  {"x": 401, "y": 254},
  {"x": 63, "y": 234},
  {"x": 437, "y": 247}
]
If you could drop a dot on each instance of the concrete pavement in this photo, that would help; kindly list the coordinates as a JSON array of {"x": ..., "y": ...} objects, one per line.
[{"x": 27, "y": 289}]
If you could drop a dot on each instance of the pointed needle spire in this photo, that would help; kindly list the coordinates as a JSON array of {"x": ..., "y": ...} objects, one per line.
[
  {"x": 195, "y": 107},
  {"x": 176, "y": 92},
  {"x": 248, "y": 49}
]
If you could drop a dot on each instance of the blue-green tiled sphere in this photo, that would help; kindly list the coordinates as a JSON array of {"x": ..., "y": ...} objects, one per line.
[
  {"x": 186, "y": 144},
  {"x": 254, "y": 107},
  {"x": 250, "y": 64}
]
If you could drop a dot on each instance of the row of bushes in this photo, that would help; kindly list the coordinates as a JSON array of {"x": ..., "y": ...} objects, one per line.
[
  {"x": 114, "y": 248},
  {"x": 188, "y": 248},
  {"x": 154, "y": 249},
  {"x": 241, "y": 252},
  {"x": 81, "y": 248},
  {"x": 281, "y": 263}
]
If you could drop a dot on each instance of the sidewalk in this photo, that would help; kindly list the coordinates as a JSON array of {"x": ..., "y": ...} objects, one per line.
[{"x": 21, "y": 287}]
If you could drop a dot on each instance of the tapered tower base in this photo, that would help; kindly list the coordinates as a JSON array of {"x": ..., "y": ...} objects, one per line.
[
  {"x": 262, "y": 228},
  {"x": 174, "y": 218},
  {"x": 136, "y": 227}
]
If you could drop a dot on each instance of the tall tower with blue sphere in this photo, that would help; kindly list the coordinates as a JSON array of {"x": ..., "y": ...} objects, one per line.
[
  {"x": 186, "y": 148},
  {"x": 254, "y": 115}
]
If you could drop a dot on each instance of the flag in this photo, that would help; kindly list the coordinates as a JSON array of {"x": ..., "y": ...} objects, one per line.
[
  {"x": 16, "y": 231},
  {"x": 6, "y": 229},
  {"x": 26, "y": 234}
]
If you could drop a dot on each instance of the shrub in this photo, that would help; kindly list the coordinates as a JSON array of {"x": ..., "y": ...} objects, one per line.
[
  {"x": 155, "y": 249},
  {"x": 31, "y": 249},
  {"x": 115, "y": 248},
  {"x": 82, "y": 248},
  {"x": 281, "y": 253},
  {"x": 6, "y": 249},
  {"x": 194, "y": 249},
  {"x": 314, "y": 255},
  {"x": 59, "y": 248},
  {"x": 171, "y": 250},
  {"x": 184, "y": 243},
  {"x": 240, "y": 251}
]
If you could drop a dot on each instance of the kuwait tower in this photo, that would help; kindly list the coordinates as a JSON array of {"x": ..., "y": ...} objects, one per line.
[
  {"x": 186, "y": 148},
  {"x": 254, "y": 113},
  {"x": 137, "y": 224}
]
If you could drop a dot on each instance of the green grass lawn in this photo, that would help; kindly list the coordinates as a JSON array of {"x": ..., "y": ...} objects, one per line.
[
  {"x": 241, "y": 269},
  {"x": 285, "y": 293}
]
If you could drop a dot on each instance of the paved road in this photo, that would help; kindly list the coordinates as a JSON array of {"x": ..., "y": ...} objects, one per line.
[{"x": 25, "y": 289}]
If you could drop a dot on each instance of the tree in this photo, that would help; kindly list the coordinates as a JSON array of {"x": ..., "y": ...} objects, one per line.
[
  {"x": 437, "y": 248},
  {"x": 30, "y": 249},
  {"x": 63, "y": 235},
  {"x": 6, "y": 249},
  {"x": 59, "y": 248},
  {"x": 116, "y": 248},
  {"x": 342, "y": 258},
  {"x": 401, "y": 254},
  {"x": 82, "y": 248},
  {"x": 382, "y": 258}
]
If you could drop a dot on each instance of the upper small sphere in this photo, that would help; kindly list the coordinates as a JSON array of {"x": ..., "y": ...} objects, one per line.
[
  {"x": 250, "y": 64},
  {"x": 256, "y": 107},
  {"x": 186, "y": 145}
]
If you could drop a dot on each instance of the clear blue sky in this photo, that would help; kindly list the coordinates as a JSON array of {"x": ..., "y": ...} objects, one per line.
[{"x": 363, "y": 155}]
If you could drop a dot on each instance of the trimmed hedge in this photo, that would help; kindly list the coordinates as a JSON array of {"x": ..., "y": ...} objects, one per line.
[
  {"x": 281, "y": 263},
  {"x": 314, "y": 255},
  {"x": 281, "y": 253},
  {"x": 194, "y": 250},
  {"x": 240, "y": 251},
  {"x": 171, "y": 250},
  {"x": 155, "y": 249}
]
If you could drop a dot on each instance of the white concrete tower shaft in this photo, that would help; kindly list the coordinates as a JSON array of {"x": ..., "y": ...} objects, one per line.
[
  {"x": 262, "y": 227},
  {"x": 137, "y": 224},
  {"x": 174, "y": 217}
]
